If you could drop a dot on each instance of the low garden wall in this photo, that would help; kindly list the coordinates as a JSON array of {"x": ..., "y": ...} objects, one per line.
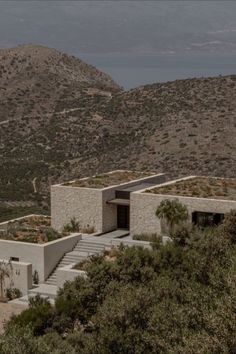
[
  {"x": 43, "y": 257},
  {"x": 67, "y": 273},
  {"x": 20, "y": 278}
]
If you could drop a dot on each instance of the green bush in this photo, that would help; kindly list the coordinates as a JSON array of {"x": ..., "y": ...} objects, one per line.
[
  {"x": 177, "y": 298},
  {"x": 147, "y": 237},
  {"x": 39, "y": 316},
  {"x": 72, "y": 226}
]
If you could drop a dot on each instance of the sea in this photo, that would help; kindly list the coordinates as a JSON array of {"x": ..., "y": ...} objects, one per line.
[{"x": 132, "y": 70}]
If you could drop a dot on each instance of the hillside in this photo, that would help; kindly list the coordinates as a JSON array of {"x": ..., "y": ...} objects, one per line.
[{"x": 61, "y": 118}]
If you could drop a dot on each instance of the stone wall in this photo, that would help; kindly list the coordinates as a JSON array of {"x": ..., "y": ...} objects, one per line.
[
  {"x": 89, "y": 205},
  {"x": 144, "y": 205},
  {"x": 83, "y": 204},
  {"x": 110, "y": 210}
]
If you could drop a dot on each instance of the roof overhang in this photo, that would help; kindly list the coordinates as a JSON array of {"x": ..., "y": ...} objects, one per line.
[{"x": 119, "y": 201}]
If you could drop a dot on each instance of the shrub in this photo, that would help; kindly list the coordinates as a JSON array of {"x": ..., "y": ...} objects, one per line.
[
  {"x": 229, "y": 226},
  {"x": 39, "y": 316},
  {"x": 35, "y": 277},
  {"x": 72, "y": 226},
  {"x": 13, "y": 293}
]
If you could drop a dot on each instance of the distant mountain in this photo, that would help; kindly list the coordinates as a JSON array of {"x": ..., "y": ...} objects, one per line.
[
  {"x": 33, "y": 77},
  {"x": 61, "y": 118}
]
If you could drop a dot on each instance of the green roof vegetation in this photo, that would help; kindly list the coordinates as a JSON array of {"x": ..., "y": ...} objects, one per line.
[
  {"x": 33, "y": 229},
  {"x": 201, "y": 187},
  {"x": 108, "y": 179}
]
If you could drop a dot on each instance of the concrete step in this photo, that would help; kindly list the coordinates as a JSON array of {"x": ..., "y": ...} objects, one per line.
[
  {"x": 65, "y": 263},
  {"x": 71, "y": 260},
  {"x": 75, "y": 254},
  {"x": 44, "y": 290},
  {"x": 88, "y": 249},
  {"x": 49, "y": 282},
  {"x": 89, "y": 244},
  {"x": 53, "y": 276}
]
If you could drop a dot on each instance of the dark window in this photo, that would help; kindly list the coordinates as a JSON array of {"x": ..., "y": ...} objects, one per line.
[
  {"x": 14, "y": 259},
  {"x": 202, "y": 219},
  {"x": 122, "y": 217}
]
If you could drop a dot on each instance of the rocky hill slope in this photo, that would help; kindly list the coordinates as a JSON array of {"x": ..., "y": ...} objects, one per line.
[{"x": 61, "y": 118}]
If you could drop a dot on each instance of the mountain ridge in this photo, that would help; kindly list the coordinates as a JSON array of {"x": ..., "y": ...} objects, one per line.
[{"x": 54, "y": 128}]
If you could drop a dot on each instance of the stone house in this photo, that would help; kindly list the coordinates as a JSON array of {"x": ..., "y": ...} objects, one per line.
[{"x": 128, "y": 200}]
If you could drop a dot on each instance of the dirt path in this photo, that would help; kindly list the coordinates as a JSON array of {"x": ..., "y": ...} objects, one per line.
[
  {"x": 7, "y": 310},
  {"x": 34, "y": 184}
]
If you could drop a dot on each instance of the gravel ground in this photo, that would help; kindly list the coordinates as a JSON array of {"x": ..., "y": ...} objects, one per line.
[{"x": 7, "y": 310}]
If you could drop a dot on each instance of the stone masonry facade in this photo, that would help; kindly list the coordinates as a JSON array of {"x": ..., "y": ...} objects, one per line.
[
  {"x": 89, "y": 205},
  {"x": 144, "y": 205}
]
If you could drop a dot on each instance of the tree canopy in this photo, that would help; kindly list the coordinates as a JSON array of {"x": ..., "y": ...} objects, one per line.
[{"x": 175, "y": 298}]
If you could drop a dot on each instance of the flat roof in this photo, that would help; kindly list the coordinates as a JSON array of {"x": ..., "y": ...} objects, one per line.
[
  {"x": 199, "y": 187},
  {"x": 109, "y": 179},
  {"x": 137, "y": 187}
]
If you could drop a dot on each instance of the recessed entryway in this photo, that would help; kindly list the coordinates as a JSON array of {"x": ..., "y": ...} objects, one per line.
[{"x": 123, "y": 217}]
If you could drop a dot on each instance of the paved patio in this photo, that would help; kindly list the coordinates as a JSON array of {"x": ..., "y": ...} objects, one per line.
[{"x": 108, "y": 235}]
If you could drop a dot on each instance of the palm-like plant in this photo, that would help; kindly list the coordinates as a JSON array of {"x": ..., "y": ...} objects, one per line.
[{"x": 173, "y": 212}]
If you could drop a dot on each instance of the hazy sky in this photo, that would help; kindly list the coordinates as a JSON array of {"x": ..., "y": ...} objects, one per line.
[
  {"x": 136, "y": 42},
  {"x": 120, "y": 26}
]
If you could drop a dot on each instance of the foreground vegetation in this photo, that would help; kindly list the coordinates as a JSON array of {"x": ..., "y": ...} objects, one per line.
[{"x": 176, "y": 298}]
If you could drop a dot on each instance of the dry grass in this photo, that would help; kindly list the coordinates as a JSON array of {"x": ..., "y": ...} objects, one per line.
[
  {"x": 35, "y": 229},
  {"x": 202, "y": 187}
]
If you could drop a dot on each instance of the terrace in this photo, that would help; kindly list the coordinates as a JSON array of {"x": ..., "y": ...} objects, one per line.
[
  {"x": 108, "y": 179},
  {"x": 32, "y": 229},
  {"x": 199, "y": 187}
]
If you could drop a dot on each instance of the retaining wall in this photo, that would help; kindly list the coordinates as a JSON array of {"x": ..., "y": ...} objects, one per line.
[
  {"x": 67, "y": 273},
  {"x": 43, "y": 257}
]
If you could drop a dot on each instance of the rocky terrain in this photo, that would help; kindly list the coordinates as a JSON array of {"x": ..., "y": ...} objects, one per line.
[{"x": 61, "y": 118}]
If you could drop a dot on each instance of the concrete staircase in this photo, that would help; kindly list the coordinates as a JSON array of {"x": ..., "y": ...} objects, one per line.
[
  {"x": 81, "y": 251},
  {"x": 84, "y": 248}
]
